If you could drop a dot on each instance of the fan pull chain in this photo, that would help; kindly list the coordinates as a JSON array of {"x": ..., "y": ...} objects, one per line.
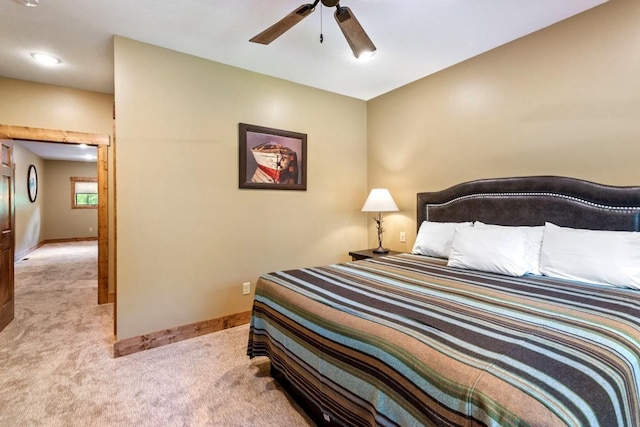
[{"x": 321, "y": 36}]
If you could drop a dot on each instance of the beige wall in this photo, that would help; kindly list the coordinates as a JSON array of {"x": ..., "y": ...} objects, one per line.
[
  {"x": 187, "y": 236},
  {"x": 60, "y": 220},
  {"x": 28, "y": 216},
  {"x": 54, "y": 107},
  {"x": 562, "y": 101}
]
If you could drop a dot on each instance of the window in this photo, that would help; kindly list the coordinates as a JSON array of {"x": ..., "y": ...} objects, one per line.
[{"x": 84, "y": 193}]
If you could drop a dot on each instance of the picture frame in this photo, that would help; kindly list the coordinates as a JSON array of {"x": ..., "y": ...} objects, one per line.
[
  {"x": 271, "y": 159},
  {"x": 32, "y": 183}
]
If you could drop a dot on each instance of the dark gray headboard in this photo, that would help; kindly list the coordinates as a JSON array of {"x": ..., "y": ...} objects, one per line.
[{"x": 533, "y": 200}]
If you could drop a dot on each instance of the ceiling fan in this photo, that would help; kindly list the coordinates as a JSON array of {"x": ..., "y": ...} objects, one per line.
[{"x": 358, "y": 40}]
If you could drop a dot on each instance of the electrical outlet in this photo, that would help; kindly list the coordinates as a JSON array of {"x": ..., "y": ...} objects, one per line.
[
  {"x": 403, "y": 237},
  {"x": 90, "y": 229},
  {"x": 246, "y": 288}
]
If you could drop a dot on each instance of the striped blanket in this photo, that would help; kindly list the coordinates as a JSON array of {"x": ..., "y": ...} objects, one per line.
[{"x": 406, "y": 341}]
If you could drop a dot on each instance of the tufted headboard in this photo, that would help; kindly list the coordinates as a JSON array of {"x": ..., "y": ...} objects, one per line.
[{"x": 566, "y": 202}]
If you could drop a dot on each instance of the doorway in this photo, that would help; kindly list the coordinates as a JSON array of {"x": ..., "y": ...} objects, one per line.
[{"x": 101, "y": 142}]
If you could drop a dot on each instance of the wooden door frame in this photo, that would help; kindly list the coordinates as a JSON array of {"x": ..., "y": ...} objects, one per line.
[
  {"x": 102, "y": 143},
  {"x": 8, "y": 170}
]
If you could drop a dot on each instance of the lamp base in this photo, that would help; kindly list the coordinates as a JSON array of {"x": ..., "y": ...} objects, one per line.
[{"x": 381, "y": 250}]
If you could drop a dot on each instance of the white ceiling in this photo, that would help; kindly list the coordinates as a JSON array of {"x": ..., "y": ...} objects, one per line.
[
  {"x": 414, "y": 38},
  {"x": 53, "y": 151}
]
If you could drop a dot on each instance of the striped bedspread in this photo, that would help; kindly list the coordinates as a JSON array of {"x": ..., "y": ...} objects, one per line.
[{"x": 404, "y": 340}]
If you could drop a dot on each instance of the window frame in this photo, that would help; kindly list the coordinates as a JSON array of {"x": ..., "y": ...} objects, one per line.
[{"x": 74, "y": 180}]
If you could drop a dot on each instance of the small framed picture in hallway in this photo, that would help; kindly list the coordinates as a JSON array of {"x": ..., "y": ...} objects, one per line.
[{"x": 32, "y": 183}]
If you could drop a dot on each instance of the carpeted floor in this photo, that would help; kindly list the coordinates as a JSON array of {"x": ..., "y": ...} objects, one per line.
[{"x": 56, "y": 367}]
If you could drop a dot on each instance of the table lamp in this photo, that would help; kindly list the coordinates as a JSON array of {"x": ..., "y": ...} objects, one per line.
[{"x": 379, "y": 201}]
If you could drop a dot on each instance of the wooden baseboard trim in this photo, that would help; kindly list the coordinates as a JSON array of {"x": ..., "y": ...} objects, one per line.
[
  {"x": 168, "y": 336},
  {"x": 71, "y": 239}
]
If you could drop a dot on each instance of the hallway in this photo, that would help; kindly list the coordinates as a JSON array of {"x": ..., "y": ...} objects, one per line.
[{"x": 57, "y": 327}]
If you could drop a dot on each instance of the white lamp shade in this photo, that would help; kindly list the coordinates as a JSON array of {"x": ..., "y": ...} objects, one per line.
[{"x": 379, "y": 200}]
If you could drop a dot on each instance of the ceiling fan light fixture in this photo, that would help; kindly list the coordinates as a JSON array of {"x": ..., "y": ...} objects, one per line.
[
  {"x": 30, "y": 3},
  {"x": 358, "y": 40},
  {"x": 365, "y": 55}
]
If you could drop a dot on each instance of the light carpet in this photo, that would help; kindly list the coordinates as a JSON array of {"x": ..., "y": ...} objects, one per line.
[{"x": 56, "y": 367}]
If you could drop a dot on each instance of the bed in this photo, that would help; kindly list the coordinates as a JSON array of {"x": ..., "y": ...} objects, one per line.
[{"x": 429, "y": 339}]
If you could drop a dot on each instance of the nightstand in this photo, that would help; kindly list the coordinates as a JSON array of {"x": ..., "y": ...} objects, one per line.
[{"x": 368, "y": 253}]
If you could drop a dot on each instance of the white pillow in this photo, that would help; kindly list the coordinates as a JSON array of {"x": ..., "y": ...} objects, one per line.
[
  {"x": 595, "y": 256},
  {"x": 494, "y": 249},
  {"x": 534, "y": 243},
  {"x": 434, "y": 238}
]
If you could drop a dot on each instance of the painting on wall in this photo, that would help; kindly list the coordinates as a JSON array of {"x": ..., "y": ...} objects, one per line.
[{"x": 272, "y": 158}]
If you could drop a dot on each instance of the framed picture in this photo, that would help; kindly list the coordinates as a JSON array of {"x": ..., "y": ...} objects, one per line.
[
  {"x": 272, "y": 159},
  {"x": 32, "y": 183}
]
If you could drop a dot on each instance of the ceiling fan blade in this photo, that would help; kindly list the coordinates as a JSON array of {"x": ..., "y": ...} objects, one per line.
[
  {"x": 280, "y": 27},
  {"x": 358, "y": 40}
]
